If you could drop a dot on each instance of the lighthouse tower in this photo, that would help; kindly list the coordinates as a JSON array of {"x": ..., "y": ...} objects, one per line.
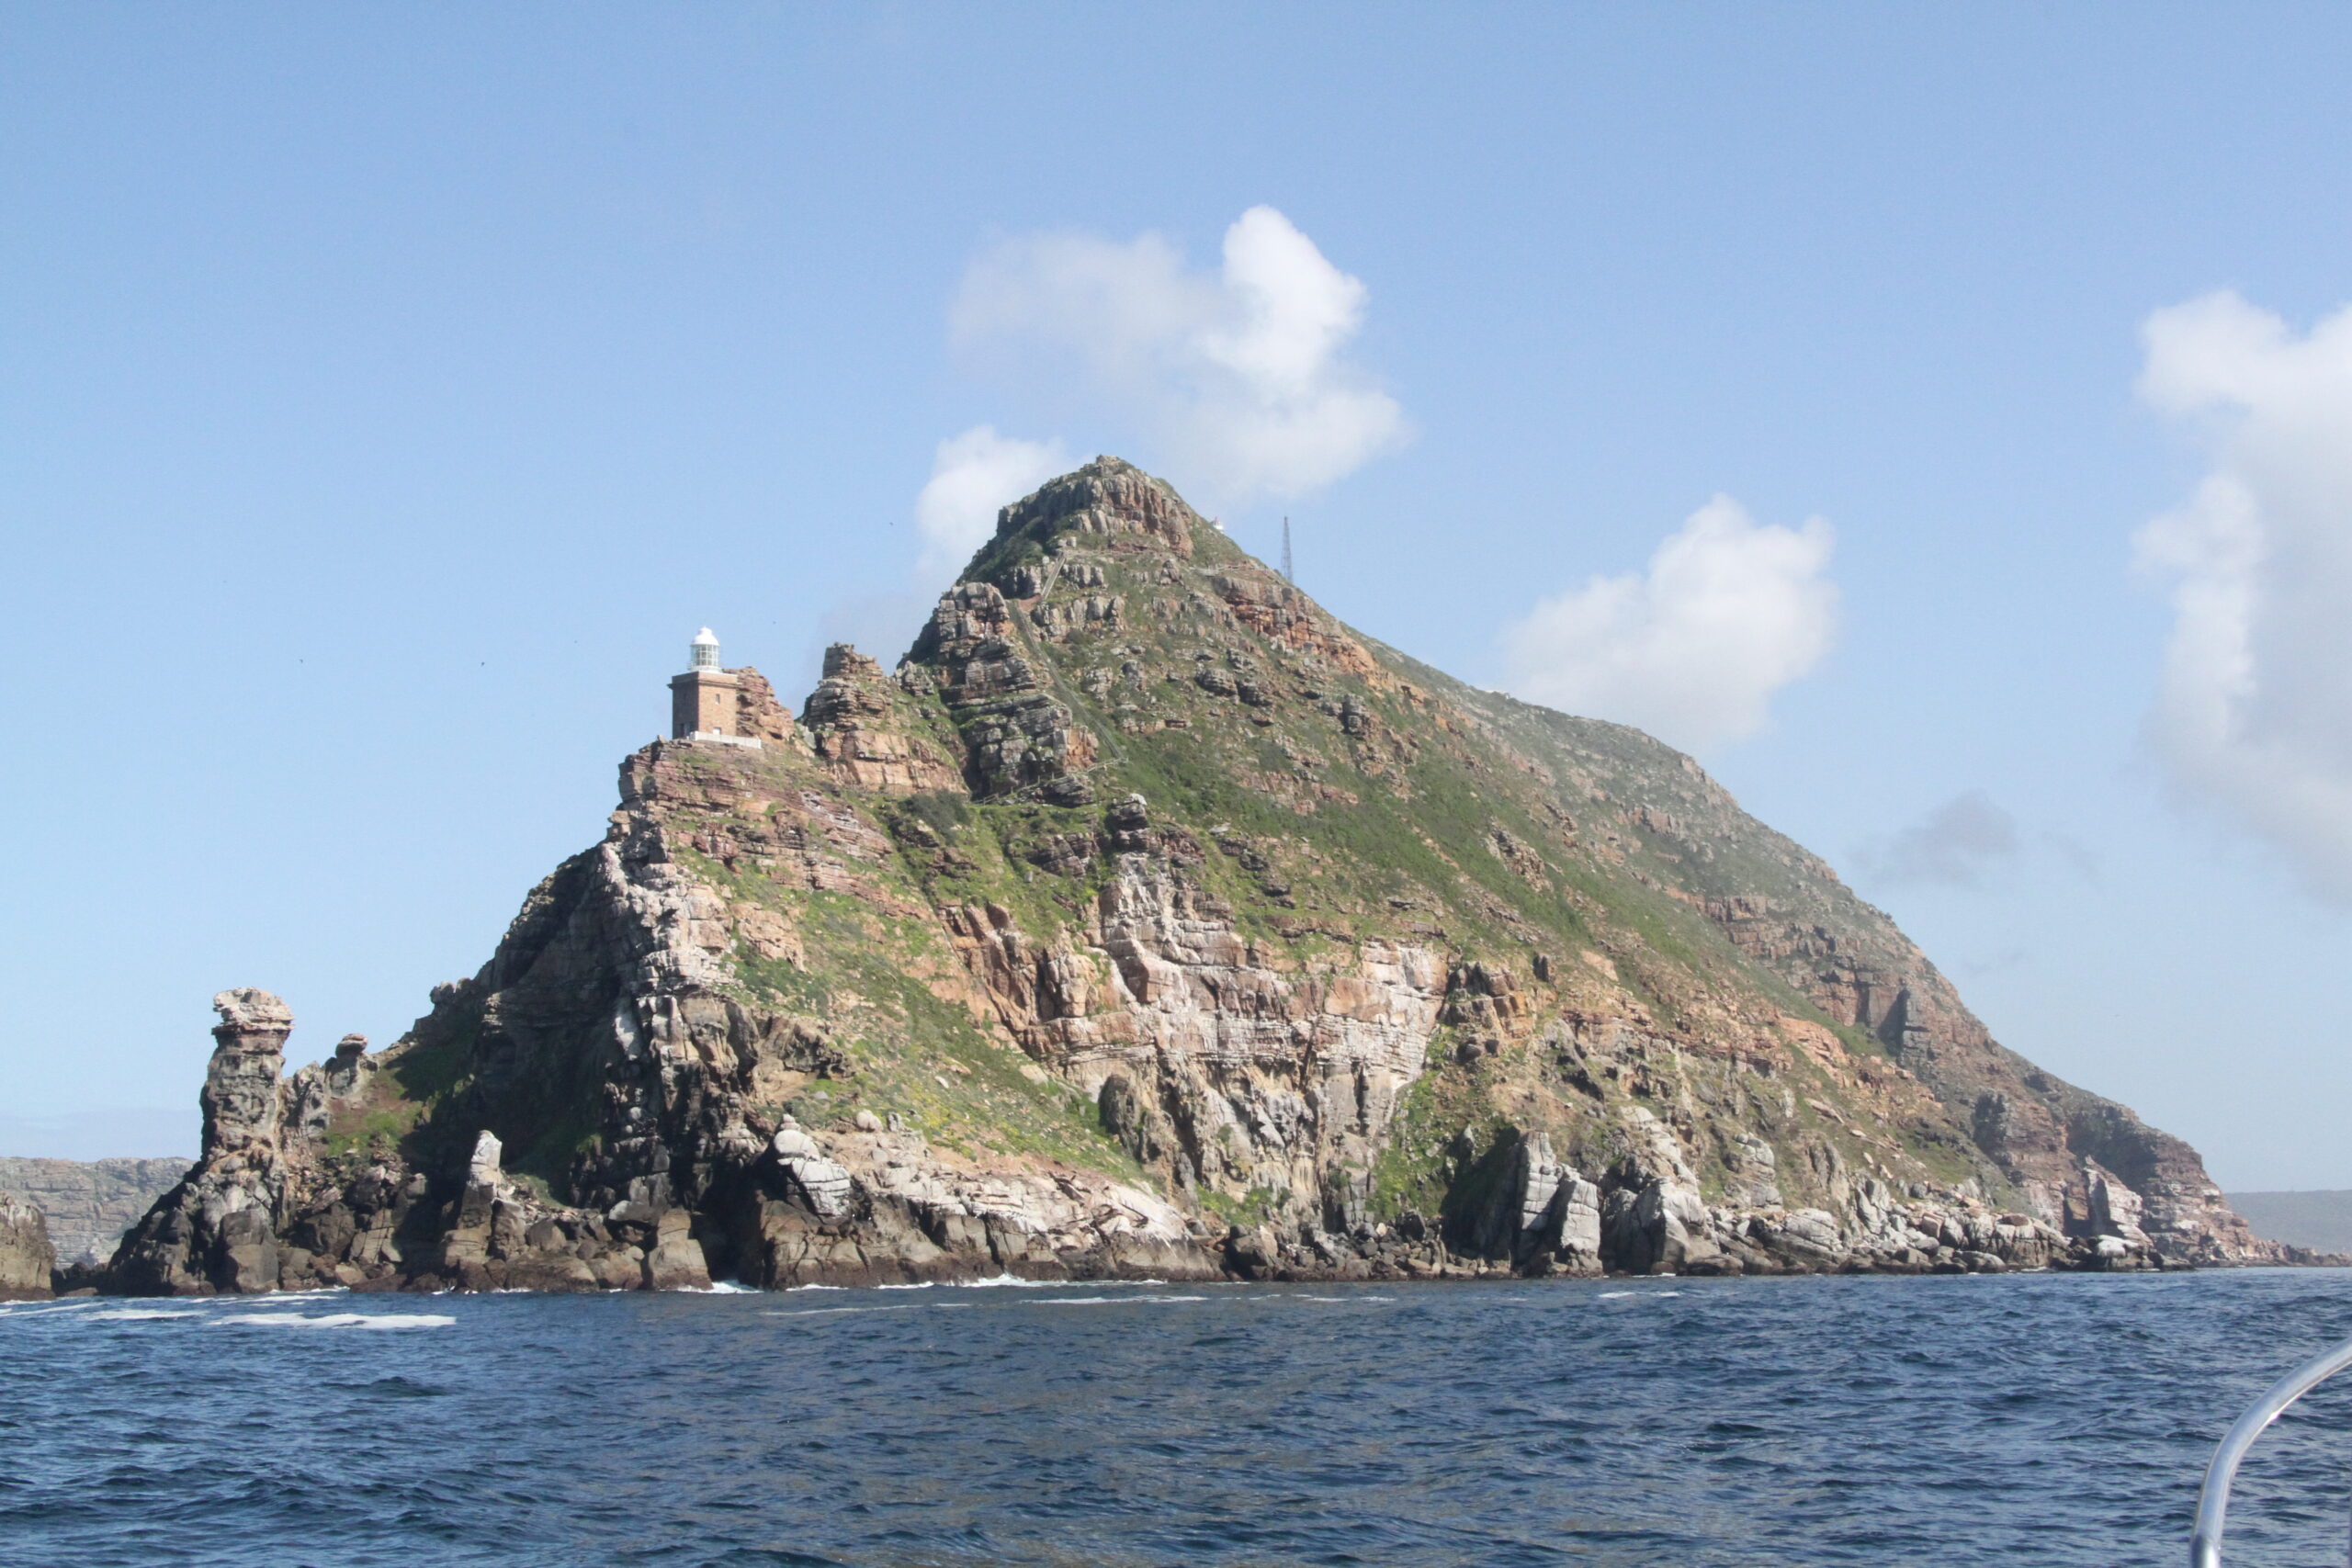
[
  {"x": 706, "y": 702},
  {"x": 735, "y": 707}
]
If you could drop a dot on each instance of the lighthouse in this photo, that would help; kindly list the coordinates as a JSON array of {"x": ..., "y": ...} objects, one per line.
[{"x": 709, "y": 703}]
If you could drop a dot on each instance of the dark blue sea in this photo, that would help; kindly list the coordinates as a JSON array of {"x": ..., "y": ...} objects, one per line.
[{"x": 2045, "y": 1419}]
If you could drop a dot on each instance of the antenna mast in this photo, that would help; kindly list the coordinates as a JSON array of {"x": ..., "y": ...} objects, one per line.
[{"x": 1286, "y": 572}]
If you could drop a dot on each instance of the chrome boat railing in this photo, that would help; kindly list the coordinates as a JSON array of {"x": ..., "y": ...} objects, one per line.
[{"x": 2214, "y": 1501}]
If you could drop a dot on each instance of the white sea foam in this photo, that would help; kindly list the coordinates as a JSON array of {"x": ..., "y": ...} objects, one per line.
[
  {"x": 134, "y": 1315},
  {"x": 1007, "y": 1280},
  {"x": 345, "y": 1320},
  {"x": 836, "y": 1312},
  {"x": 37, "y": 1309}
]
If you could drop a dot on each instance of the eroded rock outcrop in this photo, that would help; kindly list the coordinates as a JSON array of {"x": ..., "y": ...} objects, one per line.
[
  {"x": 218, "y": 1230},
  {"x": 879, "y": 1207},
  {"x": 28, "y": 1261},
  {"x": 864, "y": 724},
  {"x": 1209, "y": 1062}
]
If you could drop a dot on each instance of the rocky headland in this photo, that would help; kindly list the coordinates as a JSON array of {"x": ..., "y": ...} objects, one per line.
[{"x": 1146, "y": 922}]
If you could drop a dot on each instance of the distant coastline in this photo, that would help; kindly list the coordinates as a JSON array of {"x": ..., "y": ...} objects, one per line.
[
  {"x": 90, "y": 1203},
  {"x": 2321, "y": 1219}
]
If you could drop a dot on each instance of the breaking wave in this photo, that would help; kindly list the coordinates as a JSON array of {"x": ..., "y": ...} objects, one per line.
[{"x": 342, "y": 1320}]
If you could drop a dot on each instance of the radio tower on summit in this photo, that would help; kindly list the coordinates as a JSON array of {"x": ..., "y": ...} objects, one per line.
[{"x": 1286, "y": 573}]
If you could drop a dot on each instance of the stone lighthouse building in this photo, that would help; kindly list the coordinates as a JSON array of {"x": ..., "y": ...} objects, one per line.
[{"x": 734, "y": 706}]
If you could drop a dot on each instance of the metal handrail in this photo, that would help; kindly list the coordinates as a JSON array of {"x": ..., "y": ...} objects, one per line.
[{"x": 2213, "y": 1500}]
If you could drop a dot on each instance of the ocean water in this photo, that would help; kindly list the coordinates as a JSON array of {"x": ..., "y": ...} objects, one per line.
[{"x": 2050, "y": 1419}]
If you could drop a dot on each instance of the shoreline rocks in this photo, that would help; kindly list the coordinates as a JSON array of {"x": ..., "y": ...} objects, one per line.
[
  {"x": 270, "y": 1206},
  {"x": 28, "y": 1261}
]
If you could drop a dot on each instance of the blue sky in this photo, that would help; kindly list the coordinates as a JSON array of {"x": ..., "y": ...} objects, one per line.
[{"x": 386, "y": 396}]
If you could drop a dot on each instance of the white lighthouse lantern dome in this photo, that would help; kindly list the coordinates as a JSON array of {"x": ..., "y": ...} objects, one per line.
[{"x": 704, "y": 650}]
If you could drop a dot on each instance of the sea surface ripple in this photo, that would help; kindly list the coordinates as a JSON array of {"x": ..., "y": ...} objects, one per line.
[{"x": 2050, "y": 1419}]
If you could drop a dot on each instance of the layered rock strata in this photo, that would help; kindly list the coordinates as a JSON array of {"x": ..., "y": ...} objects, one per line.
[
  {"x": 89, "y": 1204},
  {"x": 1146, "y": 922}
]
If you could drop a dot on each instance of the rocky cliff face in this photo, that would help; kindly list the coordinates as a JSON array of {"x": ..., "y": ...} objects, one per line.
[
  {"x": 1146, "y": 920},
  {"x": 90, "y": 1203},
  {"x": 28, "y": 1261}
]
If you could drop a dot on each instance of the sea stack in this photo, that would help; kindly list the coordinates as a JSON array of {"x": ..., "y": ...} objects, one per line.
[{"x": 218, "y": 1230}]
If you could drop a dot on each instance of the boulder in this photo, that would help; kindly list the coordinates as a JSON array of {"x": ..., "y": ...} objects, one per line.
[
  {"x": 675, "y": 1262},
  {"x": 27, "y": 1259},
  {"x": 1804, "y": 1238}
]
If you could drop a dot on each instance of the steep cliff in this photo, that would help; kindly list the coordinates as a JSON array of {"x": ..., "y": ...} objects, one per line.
[
  {"x": 1148, "y": 921},
  {"x": 90, "y": 1203}
]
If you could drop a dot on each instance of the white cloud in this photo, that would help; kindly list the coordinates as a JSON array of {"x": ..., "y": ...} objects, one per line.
[
  {"x": 1962, "y": 843},
  {"x": 1239, "y": 376},
  {"x": 1953, "y": 845},
  {"x": 1729, "y": 612},
  {"x": 972, "y": 476},
  {"x": 2254, "y": 709}
]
